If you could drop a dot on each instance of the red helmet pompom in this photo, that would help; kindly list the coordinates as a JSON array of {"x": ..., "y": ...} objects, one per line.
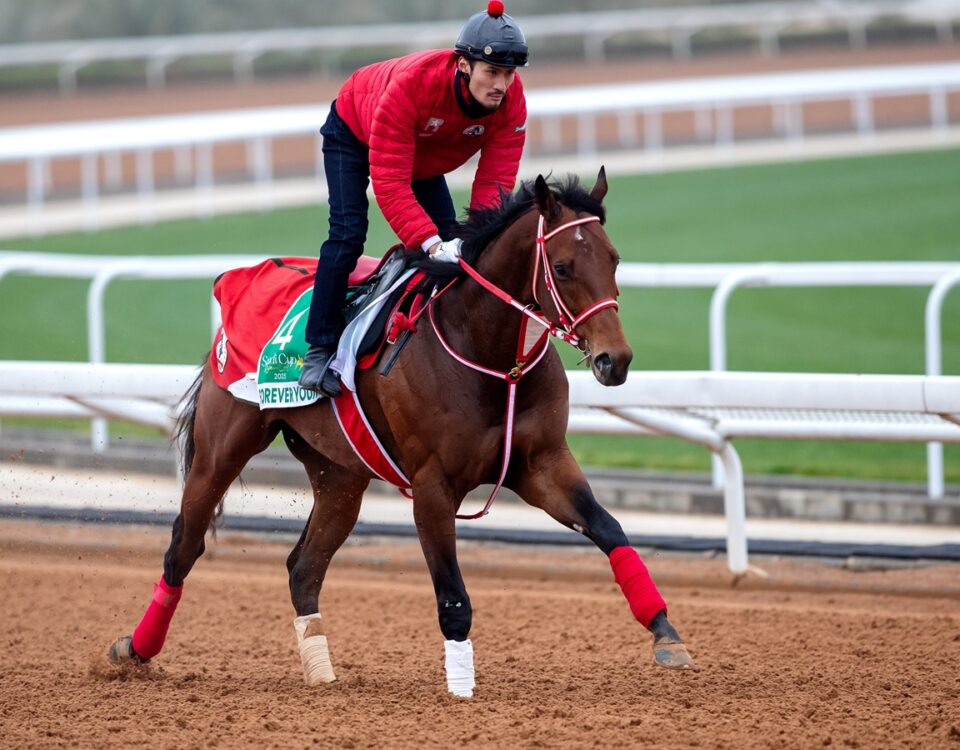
[{"x": 495, "y": 8}]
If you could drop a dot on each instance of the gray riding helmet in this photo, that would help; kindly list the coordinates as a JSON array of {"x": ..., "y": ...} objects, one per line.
[{"x": 494, "y": 37}]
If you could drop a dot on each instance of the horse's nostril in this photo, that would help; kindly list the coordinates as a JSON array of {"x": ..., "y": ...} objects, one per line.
[{"x": 603, "y": 363}]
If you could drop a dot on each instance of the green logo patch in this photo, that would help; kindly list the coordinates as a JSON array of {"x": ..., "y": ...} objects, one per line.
[{"x": 281, "y": 360}]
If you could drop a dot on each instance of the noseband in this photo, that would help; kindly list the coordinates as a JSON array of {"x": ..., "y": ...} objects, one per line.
[{"x": 527, "y": 359}]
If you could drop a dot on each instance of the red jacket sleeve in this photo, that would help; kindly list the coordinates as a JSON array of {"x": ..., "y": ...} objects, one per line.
[
  {"x": 392, "y": 146},
  {"x": 500, "y": 157}
]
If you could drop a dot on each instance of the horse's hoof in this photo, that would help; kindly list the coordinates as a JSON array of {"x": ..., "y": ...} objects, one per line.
[
  {"x": 121, "y": 651},
  {"x": 672, "y": 655}
]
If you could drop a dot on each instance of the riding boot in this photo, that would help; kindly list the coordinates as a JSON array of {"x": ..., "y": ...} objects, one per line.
[{"x": 317, "y": 375}]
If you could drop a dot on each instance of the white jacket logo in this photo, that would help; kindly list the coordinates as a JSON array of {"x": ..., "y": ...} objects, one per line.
[
  {"x": 432, "y": 126},
  {"x": 474, "y": 130}
]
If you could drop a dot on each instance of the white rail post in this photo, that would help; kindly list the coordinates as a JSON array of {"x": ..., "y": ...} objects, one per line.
[
  {"x": 939, "y": 115},
  {"x": 793, "y": 121},
  {"x": 594, "y": 47},
  {"x": 96, "y": 341},
  {"x": 36, "y": 189},
  {"x": 724, "y": 128},
  {"x": 113, "y": 170},
  {"x": 157, "y": 71},
  {"x": 934, "y": 356},
  {"x": 703, "y": 123},
  {"x": 718, "y": 335},
  {"x": 586, "y": 135},
  {"x": 145, "y": 186},
  {"x": 680, "y": 44},
  {"x": 863, "y": 112},
  {"x": 91, "y": 191},
  {"x": 770, "y": 40},
  {"x": 652, "y": 129},
  {"x": 735, "y": 509},
  {"x": 183, "y": 164},
  {"x": 203, "y": 175},
  {"x": 67, "y": 76},
  {"x": 626, "y": 128}
]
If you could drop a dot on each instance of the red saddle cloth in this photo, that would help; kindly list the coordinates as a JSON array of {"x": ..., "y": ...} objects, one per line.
[{"x": 253, "y": 302}]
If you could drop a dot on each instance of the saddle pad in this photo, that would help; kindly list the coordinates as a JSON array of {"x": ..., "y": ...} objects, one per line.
[{"x": 258, "y": 350}]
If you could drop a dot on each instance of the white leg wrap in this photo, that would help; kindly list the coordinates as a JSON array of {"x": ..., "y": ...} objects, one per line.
[
  {"x": 459, "y": 666},
  {"x": 314, "y": 654}
]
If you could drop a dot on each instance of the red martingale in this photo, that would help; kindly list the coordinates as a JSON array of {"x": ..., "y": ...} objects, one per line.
[
  {"x": 637, "y": 585},
  {"x": 150, "y": 634}
]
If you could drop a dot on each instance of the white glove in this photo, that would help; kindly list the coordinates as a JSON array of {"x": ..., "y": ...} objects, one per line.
[{"x": 448, "y": 252}]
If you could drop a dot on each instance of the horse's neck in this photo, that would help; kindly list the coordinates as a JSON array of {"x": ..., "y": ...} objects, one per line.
[{"x": 481, "y": 326}]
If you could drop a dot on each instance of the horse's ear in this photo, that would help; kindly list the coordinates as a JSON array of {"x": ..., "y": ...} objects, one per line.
[
  {"x": 546, "y": 200},
  {"x": 600, "y": 189}
]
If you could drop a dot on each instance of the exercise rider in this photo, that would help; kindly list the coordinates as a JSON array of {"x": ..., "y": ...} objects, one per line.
[{"x": 404, "y": 124}]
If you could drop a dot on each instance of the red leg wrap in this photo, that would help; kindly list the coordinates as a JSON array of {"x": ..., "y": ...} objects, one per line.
[
  {"x": 637, "y": 585},
  {"x": 150, "y": 634}
]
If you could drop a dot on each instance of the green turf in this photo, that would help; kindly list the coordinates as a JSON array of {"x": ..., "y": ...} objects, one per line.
[{"x": 892, "y": 207}]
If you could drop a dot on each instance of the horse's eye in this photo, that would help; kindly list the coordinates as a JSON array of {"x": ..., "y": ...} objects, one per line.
[{"x": 561, "y": 271}]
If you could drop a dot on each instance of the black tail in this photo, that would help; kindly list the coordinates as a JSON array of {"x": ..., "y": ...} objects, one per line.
[{"x": 184, "y": 431}]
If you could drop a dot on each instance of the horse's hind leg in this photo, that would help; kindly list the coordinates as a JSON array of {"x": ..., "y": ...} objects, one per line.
[
  {"x": 336, "y": 505},
  {"x": 222, "y": 434},
  {"x": 556, "y": 484}
]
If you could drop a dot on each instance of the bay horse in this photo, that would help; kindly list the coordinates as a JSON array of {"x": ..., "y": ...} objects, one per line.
[{"x": 440, "y": 413}]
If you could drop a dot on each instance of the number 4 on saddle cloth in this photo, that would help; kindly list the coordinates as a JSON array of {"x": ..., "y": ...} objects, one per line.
[{"x": 258, "y": 350}]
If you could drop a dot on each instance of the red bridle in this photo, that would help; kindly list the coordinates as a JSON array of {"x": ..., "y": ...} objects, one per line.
[
  {"x": 527, "y": 358},
  {"x": 568, "y": 321},
  {"x": 566, "y": 328}
]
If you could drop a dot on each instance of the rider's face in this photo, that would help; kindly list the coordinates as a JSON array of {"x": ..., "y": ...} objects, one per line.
[{"x": 488, "y": 83}]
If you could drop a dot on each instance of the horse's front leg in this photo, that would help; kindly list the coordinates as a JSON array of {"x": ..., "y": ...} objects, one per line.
[
  {"x": 434, "y": 512},
  {"x": 556, "y": 484}
]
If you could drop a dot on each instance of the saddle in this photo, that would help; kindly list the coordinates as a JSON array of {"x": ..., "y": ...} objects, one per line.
[{"x": 381, "y": 283}]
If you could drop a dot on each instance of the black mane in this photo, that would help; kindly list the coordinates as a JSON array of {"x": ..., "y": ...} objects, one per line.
[{"x": 484, "y": 226}]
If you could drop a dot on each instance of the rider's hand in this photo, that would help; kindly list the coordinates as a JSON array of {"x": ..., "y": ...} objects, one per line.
[{"x": 448, "y": 252}]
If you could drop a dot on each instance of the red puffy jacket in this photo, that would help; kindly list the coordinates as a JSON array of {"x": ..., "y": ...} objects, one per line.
[{"x": 406, "y": 111}]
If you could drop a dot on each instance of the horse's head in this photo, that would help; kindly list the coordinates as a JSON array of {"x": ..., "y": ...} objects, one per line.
[{"x": 577, "y": 259}]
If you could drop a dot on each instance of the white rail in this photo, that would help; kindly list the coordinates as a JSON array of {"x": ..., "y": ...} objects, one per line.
[
  {"x": 766, "y": 19},
  {"x": 197, "y": 134},
  {"x": 706, "y": 408},
  {"x": 723, "y": 278},
  {"x": 942, "y": 277}
]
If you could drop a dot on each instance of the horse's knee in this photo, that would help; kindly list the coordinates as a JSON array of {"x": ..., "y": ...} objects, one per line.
[
  {"x": 456, "y": 616},
  {"x": 178, "y": 560}
]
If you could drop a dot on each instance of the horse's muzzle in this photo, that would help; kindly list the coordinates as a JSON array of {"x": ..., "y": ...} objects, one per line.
[{"x": 611, "y": 369}]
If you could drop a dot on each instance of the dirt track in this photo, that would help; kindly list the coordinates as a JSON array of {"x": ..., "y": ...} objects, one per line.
[{"x": 814, "y": 656}]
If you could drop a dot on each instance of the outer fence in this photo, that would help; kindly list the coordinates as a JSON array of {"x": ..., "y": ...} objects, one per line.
[
  {"x": 767, "y": 20},
  {"x": 713, "y": 101},
  {"x": 709, "y": 409},
  {"x": 723, "y": 278}
]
